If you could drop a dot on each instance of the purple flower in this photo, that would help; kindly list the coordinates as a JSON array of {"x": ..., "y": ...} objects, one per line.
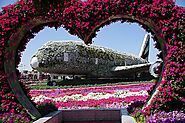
[{"x": 164, "y": 117}]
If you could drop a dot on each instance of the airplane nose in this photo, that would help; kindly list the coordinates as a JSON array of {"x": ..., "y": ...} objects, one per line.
[{"x": 34, "y": 62}]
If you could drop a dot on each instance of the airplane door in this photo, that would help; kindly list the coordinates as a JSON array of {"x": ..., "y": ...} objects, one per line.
[{"x": 66, "y": 57}]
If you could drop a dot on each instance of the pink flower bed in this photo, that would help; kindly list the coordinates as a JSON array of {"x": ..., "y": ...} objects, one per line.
[{"x": 93, "y": 97}]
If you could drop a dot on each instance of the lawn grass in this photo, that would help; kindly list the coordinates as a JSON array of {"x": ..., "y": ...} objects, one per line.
[{"x": 44, "y": 85}]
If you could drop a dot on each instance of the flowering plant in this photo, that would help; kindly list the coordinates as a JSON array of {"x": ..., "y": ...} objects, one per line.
[
  {"x": 117, "y": 96},
  {"x": 167, "y": 117},
  {"x": 13, "y": 118},
  {"x": 166, "y": 21},
  {"x": 82, "y": 58}
]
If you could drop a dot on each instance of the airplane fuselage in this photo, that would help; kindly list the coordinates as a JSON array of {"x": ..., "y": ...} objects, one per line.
[{"x": 76, "y": 58}]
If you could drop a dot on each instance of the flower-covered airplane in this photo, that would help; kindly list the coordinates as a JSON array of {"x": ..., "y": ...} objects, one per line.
[{"x": 76, "y": 58}]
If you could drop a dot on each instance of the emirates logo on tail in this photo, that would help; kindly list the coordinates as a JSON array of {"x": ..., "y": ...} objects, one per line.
[{"x": 144, "y": 52}]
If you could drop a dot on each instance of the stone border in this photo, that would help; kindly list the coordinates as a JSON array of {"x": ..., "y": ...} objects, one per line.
[{"x": 119, "y": 115}]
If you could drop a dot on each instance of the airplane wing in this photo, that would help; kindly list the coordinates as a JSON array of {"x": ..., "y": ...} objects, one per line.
[{"x": 131, "y": 69}]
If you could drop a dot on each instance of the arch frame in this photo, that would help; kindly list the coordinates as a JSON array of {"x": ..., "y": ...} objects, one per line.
[{"x": 84, "y": 19}]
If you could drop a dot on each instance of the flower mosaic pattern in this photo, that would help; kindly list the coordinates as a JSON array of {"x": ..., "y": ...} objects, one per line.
[
  {"x": 117, "y": 96},
  {"x": 81, "y": 59}
]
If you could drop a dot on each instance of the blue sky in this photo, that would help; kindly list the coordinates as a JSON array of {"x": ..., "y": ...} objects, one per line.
[{"x": 123, "y": 37}]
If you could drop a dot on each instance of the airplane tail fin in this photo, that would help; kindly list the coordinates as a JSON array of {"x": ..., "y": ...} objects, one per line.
[{"x": 144, "y": 52}]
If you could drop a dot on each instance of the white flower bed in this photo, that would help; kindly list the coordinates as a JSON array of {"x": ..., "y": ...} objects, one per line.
[{"x": 95, "y": 96}]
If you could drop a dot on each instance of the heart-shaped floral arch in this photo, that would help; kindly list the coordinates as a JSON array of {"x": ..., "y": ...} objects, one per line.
[{"x": 166, "y": 21}]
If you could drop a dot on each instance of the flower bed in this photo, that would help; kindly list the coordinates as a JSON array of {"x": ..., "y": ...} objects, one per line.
[
  {"x": 100, "y": 97},
  {"x": 13, "y": 118},
  {"x": 129, "y": 96}
]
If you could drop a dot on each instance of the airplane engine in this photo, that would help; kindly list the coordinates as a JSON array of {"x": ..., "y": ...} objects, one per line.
[
  {"x": 155, "y": 69},
  {"x": 34, "y": 62}
]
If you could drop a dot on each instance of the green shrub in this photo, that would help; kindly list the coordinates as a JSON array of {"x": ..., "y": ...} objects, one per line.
[{"x": 46, "y": 107}]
